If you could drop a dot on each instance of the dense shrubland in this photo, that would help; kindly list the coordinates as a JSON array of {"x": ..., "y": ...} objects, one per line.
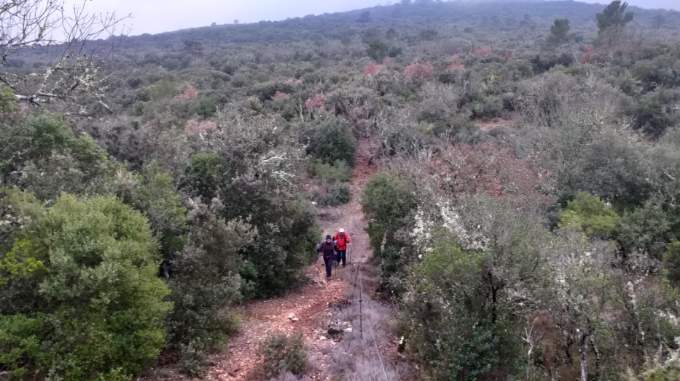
[
  {"x": 526, "y": 220},
  {"x": 536, "y": 251}
]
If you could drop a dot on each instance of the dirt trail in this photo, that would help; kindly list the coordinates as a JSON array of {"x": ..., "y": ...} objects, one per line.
[
  {"x": 367, "y": 351},
  {"x": 310, "y": 309}
]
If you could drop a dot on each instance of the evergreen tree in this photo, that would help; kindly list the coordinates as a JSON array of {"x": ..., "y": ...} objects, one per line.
[
  {"x": 559, "y": 32},
  {"x": 614, "y": 17}
]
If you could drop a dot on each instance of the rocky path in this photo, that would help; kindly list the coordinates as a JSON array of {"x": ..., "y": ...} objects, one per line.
[{"x": 365, "y": 349}]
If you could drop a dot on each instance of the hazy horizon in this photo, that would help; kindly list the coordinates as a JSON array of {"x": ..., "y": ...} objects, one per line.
[{"x": 156, "y": 16}]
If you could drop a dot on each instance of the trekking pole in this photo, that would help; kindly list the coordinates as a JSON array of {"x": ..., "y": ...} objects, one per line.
[
  {"x": 361, "y": 297},
  {"x": 349, "y": 251},
  {"x": 323, "y": 270}
]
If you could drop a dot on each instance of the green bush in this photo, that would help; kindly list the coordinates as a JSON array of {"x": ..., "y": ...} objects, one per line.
[
  {"x": 284, "y": 354},
  {"x": 611, "y": 164},
  {"x": 646, "y": 229},
  {"x": 80, "y": 292},
  {"x": 43, "y": 145},
  {"x": 487, "y": 108},
  {"x": 337, "y": 172},
  {"x": 8, "y": 103},
  {"x": 285, "y": 223},
  {"x": 453, "y": 326},
  {"x": 331, "y": 141},
  {"x": 287, "y": 233},
  {"x": 263, "y": 197},
  {"x": 266, "y": 91},
  {"x": 205, "y": 284},
  {"x": 591, "y": 215},
  {"x": 206, "y": 107},
  {"x": 334, "y": 195},
  {"x": 16, "y": 209},
  {"x": 203, "y": 176},
  {"x": 153, "y": 194},
  {"x": 656, "y": 72},
  {"x": 389, "y": 202},
  {"x": 377, "y": 49},
  {"x": 543, "y": 63},
  {"x": 20, "y": 348},
  {"x": 559, "y": 31},
  {"x": 163, "y": 89},
  {"x": 654, "y": 113}
]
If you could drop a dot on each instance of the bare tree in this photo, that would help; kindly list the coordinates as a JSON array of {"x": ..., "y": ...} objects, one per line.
[
  {"x": 62, "y": 31},
  {"x": 530, "y": 338}
]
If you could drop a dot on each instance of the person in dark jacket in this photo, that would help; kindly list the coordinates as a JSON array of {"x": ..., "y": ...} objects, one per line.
[{"x": 327, "y": 249}]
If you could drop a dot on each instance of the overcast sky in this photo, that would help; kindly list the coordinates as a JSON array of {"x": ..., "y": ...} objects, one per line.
[{"x": 154, "y": 16}]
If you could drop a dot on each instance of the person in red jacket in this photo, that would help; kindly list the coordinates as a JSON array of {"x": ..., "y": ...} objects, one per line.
[{"x": 341, "y": 240}]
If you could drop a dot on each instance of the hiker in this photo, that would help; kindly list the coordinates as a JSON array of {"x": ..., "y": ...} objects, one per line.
[
  {"x": 327, "y": 249},
  {"x": 341, "y": 240}
]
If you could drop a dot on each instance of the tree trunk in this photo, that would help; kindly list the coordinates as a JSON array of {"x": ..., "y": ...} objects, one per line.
[
  {"x": 494, "y": 298},
  {"x": 583, "y": 351},
  {"x": 598, "y": 358}
]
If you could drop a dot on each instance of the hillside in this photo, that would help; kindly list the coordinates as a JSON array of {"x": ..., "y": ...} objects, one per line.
[
  {"x": 508, "y": 171},
  {"x": 454, "y": 16}
]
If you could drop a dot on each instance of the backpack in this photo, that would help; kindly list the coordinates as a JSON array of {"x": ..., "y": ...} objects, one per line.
[{"x": 341, "y": 240}]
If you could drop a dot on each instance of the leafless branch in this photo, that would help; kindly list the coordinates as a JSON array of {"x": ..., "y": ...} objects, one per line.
[{"x": 72, "y": 71}]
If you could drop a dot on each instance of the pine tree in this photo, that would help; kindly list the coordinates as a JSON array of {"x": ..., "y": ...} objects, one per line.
[
  {"x": 614, "y": 17},
  {"x": 559, "y": 32}
]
